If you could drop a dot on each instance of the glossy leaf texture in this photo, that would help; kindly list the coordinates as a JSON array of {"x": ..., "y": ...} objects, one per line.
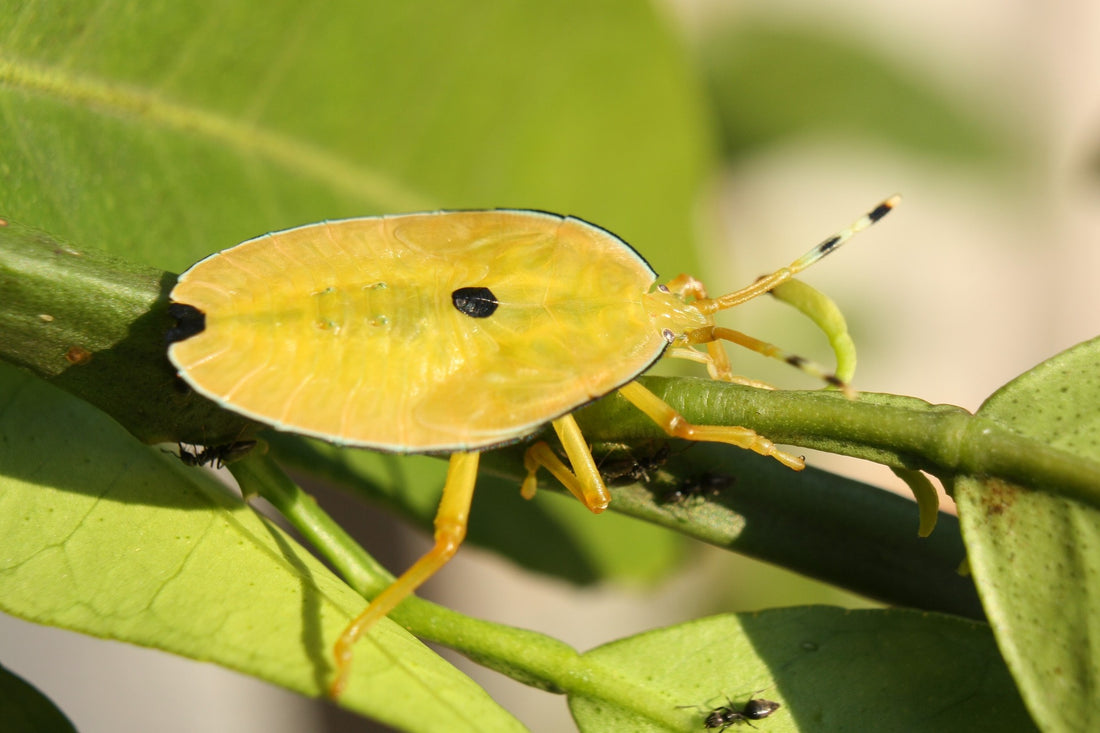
[
  {"x": 168, "y": 131},
  {"x": 1033, "y": 553},
  {"x": 829, "y": 668},
  {"x": 162, "y": 133},
  {"x": 168, "y": 558}
]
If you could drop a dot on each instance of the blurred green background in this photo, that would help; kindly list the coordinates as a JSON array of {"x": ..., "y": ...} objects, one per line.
[{"x": 718, "y": 138}]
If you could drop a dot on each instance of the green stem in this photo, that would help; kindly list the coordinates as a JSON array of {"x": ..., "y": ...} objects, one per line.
[
  {"x": 897, "y": 431},
  {"x": 526, "y": 656},
  {"x": 79, "y": 319},
  {"x": 258, "y": 475}
]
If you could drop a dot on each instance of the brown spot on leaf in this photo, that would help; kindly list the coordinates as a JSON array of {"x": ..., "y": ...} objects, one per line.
[
  {"x": 999, "y": 496},
  {"x": 78, "y": 355}
]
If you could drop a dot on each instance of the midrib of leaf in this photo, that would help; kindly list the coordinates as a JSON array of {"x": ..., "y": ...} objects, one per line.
[{"x": 128, "y": 102}]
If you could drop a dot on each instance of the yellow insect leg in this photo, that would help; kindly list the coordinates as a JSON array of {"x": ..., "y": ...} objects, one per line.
[
  {"x": 583, "y": 482},
  {"x": 714, "y": 366},
  {"x": 687, "y": 286},
  {"x": 450, "y": 529},
  {"x": 677, "y": 426}
]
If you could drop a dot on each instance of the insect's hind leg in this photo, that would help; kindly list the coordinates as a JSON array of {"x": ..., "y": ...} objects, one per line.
[
  {"x": 450, "y": 529},
  {"x": 583, "y": 481},
  {"x": 677, "y": 426}
]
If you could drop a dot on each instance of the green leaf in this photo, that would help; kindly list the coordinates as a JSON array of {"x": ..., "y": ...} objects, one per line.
[
  {"x": 771, "y": 83},
  {"x": 166, "y": 132},
  {"x": 163, "y": 133},
  {"x": 1033, "y": 552},
  {"x": 113, "y": 539},
  {"x": 831, "y": 669},
  {"x": 26, "y": 710}
]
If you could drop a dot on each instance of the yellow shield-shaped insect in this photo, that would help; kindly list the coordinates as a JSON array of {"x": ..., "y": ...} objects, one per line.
[
  {"x": 430, "y": 332},
  {"x": 452, "y": 332}
]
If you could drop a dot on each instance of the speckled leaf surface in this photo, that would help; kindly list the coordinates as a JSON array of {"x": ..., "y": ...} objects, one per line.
[
  {"x": 1034, "y": 555},
  {"x": 830, "y": 669}
]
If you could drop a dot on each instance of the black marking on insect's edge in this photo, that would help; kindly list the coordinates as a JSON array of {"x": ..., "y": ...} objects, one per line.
[
  {"x": 475, "y": 302},
  {"x": 190, "y": 321}
]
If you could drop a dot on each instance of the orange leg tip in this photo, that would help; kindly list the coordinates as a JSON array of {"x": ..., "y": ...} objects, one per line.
[
  {"x": 529, "y": 487},
  {"x": 597, "y": 503},
  {"x": 336, "y": 689},
  {"x": 792, "y": 462}
]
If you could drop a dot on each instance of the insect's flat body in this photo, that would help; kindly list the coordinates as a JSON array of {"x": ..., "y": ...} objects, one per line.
[
  {"x": 349, "y": 331},
  {"x": 454, "y": 332}
]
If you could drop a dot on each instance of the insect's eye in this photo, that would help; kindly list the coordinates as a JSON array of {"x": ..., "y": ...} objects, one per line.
[{"x": 475, "y": 302}]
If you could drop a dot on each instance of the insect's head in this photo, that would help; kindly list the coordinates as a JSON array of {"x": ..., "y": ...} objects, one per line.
[{"x": 672, "y": 315}]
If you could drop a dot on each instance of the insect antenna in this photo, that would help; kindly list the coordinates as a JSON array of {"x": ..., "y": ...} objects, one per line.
[
  {"x": 829, "y": 244},
  {"x": 814, "y": 304}
]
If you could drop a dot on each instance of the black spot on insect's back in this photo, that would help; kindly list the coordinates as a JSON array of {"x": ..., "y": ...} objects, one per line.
[
  {"x": 190, "y": 321},
  {"x": 475, "y": 302}
]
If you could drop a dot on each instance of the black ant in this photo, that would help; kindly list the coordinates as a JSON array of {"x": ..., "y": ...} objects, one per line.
[
  {"x": 632, "y": 468},
  {"x": 216, "y": 455},
  {"x": 729, "y": 715}
]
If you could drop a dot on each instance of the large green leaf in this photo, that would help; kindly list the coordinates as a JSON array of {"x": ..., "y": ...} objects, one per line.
[
  {"x": 1033, "y": 552},
  {"x": 149, "y": 552},
  {"x": 831, "y": 669},
  {"x": 165, "y": 131}
]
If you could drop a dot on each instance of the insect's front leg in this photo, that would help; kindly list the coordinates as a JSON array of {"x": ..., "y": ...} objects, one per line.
[{"x": 712, "y": 335}]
